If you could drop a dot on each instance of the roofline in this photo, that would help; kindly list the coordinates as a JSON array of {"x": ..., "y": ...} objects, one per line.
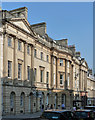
[
  {"x": 18, "y": 9},
  {"x": 39, "y": 24}
]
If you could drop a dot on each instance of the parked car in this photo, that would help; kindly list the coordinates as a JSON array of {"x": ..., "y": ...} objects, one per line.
[
  {"x": 57, "y": 115},
  {"x": 90, "y": 108},
  {"x": 83, "y": 114}
]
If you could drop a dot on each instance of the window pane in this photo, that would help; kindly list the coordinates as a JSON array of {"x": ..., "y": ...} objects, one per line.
[
  {"x": 28, "y": 72},
  {"x": 19, "y": 71},
  {"x": 19, "y": 45},
  {"x": 28, "y": 49},
  {"x": 35, "y": 53},
  {"x": 61, "y": 62},
  {"x": 9, "y": 41},
  {"x": 35, "y": 72},
  {"x": 41, "y": 76},
  {"x": 9, "y": 68},
  {"x": 47, "y": 58}
]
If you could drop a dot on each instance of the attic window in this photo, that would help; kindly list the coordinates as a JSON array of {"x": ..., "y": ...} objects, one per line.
[{"x": 18, "y": 14}]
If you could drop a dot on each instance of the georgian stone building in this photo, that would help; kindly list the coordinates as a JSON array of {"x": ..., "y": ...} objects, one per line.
[
  {"x": 90, "y": 88},
  {"x": 35, "y": 69}
]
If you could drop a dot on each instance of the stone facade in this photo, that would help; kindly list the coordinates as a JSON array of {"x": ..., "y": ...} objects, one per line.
[
  {"x": 91, "y": 90},
  {"x": 35, "y": 69}
]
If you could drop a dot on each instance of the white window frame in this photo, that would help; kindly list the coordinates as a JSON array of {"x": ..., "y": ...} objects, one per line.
[
  {"x": 9, "y": 69},
  {"x": 19, "y": 72}
]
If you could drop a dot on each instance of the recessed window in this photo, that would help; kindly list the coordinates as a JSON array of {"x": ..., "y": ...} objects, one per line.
[
  {"x": 47, "y": 77},
  {"x": 28, "y": 72},
  {"x": 61, "y": 62},
  {"x": 9, "y": 42},
  {"x": 28, "y": 49},
  {"x": 9, "y": 68},
  {"x": 47, "y": 58},
  {"x": 41, "y": 76},
  {"x": 35, "y": 53},
  {"x": 19, "y": 71},
  {"x": 19, "y": 45},
  {"x": 35, "y": 73},
  {"x": 61, "y": 79},
  {"x": 41, "y": 55}
]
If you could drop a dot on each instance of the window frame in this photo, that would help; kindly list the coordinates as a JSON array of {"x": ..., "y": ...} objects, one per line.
[
  {"x": 35, "y": 53},
  {"x": 20, "y": 65},
  {"x": 9, "y": 69},
  {"x": 9, "y": 42},
  {"x": 28, "y": 49},
  {"x": 41, "y": 55},
  {"x": 41, "y": 75},
  {"x": 61, "y": 62},
  {"x": 19, "y": 45},
  {"x": 28, "y": 72},
  {"x": 61, "y": 80}
]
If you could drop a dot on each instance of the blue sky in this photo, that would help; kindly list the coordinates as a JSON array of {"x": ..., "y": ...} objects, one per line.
[{"x": 71, "y": 20}]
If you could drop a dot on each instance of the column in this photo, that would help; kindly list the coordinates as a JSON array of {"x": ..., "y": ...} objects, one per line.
[
  {"x": 56, "y": 72},
  {"x": 25, "y": 61},
  {"x": 65, "y": 85},
  {"x": 32, "y": 66},
  {"x": 51, "y": 71},
  {"x": 5, "y": 59},
  {"x": 15, "y": 59}
]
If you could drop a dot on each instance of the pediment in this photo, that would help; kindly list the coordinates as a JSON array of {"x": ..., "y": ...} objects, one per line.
[{"x": 21, "y": 23}]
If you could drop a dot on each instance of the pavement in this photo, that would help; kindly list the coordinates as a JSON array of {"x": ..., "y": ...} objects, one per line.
[{"x": 32, "y": 116}]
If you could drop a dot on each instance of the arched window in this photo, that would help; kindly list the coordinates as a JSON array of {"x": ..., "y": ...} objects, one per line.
[
  {"x": 22, "y": 97},
  {"x": 12, "y": 100}
]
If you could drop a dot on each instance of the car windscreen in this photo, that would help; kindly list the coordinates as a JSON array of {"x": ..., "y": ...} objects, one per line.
[
  {"x": 81, "y": 114},
  {"x": 51, "y": 115}
]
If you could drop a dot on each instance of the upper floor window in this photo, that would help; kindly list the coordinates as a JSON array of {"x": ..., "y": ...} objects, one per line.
[
  {"x": 19, "y": 45},
  {"x": 41, "y": 55},
  {"x": 35, "y": 73},
  {"x": 28, "y": 72},
  {"x": 47, "y": 58},
  {"x": 61, "y": 62},
  {"x": 61, "y": 79},
  {"x": 35, "y": 53},
  {"x": 9, "y": 42},
  {"x": 41, "y": 76},
  {"x": 47, "y": 77},
  {"x": 28, "y": 49},
  {"x": 19, "y": 71},
  {"x": 9, "y": 68}
]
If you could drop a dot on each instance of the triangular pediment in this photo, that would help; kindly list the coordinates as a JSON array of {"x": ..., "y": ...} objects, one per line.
[{"x": 23, "y": 24}]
